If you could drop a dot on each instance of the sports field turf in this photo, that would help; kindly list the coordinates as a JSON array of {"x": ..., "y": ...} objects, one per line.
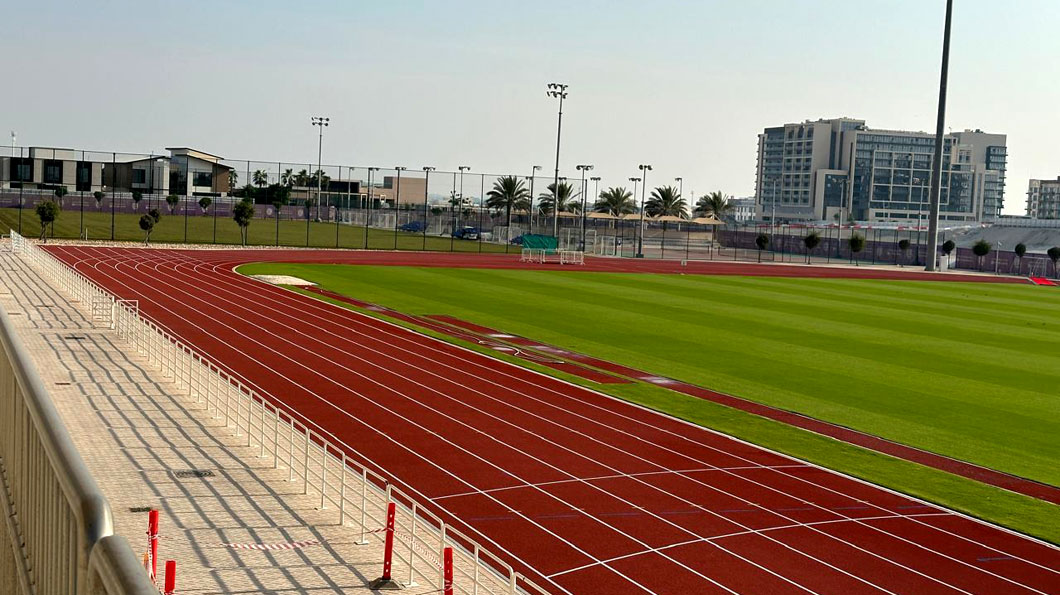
[
  {"x": 965, "y": 370},
  {"x": 200, "y": 230}
]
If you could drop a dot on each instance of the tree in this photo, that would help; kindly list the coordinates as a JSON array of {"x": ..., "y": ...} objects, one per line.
[
  {"x": 948, "y": 247},
  {"x": 762, "y": 241},
  {"x": 903, "y": 245},
  {"x": 856, "y": 242},
  {"x": 147, "y": 223},
  {"x": 715, "y": 204},
  {"x": 137, "y": 196},
  {"x": 301, "y": 178},
  {"x": 233, "y": 178},
  {"x": 508, "y": 192},
  {"x": 278, "y": 201},
  {"x": 287, "y": 177},
  {"x": 205, "y": 202},
  {"x": 811, "y": 241},
  {"x": 60, "y": 192},
  {"x": 1054, "y": 255},
  {"x": 981, "y": 249},
  {"x": 261, "y": 179},
  {"x": 243, "y": 213},
  {"x": 566, "y": 199},
  {"x": 172, "y": 201},
  {"x": 155, "y": 214},
  {"x": 47, "y": 211},
  {"x": 666, "y": 200},
  {"x": 615, "y": 202},
  {"x": 99, "y": 199},
  {"x": 1020, "y": 250}
]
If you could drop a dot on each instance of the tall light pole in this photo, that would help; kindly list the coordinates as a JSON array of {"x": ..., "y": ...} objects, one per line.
[
  {"x": 368, "y": 213},
  {"x": 397, "y": 200},
  {"x": 635, "y": 181},
  {"x": 462, "y": 168},
  {"x": 322, "y": 123},
  {"x": 426, "y": 189},
  {"x": 596, "y": 189},
  {"x": 533, "y": 171},
  {"x": 644, "y": 169},
  {"x": 680, "y": 187},
  {"x": 936, "y": 167},
  {"x": 559, "y": 91},
  {"x": 583, "y": 169},
  {"x": 919, "y": 212}
]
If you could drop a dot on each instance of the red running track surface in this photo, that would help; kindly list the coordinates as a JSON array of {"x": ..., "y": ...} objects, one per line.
[{"x": 582, "y": 492}]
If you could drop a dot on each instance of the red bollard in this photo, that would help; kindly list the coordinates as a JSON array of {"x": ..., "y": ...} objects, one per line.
[
  {"x": 152, "y": 541},
  {"x": 386, "y": 581},
  {"x": 171, "y": 577},
  {"x": 447, "y": 571}
]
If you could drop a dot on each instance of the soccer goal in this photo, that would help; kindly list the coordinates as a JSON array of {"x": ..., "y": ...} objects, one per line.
[{"x": 606, "y": 246}]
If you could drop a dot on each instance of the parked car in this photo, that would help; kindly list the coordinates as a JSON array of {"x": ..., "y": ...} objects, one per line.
[
  {"x": 467, "y": 233},
  {"x": 413, "y": 227}
]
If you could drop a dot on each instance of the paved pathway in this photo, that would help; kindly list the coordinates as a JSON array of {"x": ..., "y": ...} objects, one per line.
[{"x": 135, "y": 433}]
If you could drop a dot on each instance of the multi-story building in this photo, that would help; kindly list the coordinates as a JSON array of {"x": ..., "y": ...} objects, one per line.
[
  {"x": 743, "y": 209},
  {"x": 47, "y": 168},
  {"x": 1043, "y": 199},
  {"x": 840, "y": 169}
]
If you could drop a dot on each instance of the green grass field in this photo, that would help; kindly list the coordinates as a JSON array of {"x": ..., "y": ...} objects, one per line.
[
  {"x": 966, "y": 370},
  {"x": 200, "y": 230}
]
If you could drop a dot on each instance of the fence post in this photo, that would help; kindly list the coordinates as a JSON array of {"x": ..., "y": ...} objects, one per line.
[
  {"x": 385, "y": 581},
  {"x": 447, "y": 571}
]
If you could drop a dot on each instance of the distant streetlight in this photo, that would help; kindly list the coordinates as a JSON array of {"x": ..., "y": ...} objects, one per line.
[
  {"x": 368, "y": 213},
  {"x": 397, "y": 200},
  {"x": 322, "y": 123},
  {"x": 583, "y": 169},
  {"x": 559, "y": 91},
  {"x": 462, "y": 168},
  {"x": 644, "y": 169},
  {"x": 426, "y": 186}
]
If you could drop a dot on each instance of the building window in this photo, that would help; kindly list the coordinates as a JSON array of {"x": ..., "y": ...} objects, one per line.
[
  {"x": 202, "y": 178},
  {"x": 53, "y": 172},
  {"x": 21, "y": 170},
  {"x": 139, "y": 176}
]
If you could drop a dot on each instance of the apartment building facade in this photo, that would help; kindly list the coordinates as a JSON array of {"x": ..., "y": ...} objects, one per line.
[
  {"x": 1043, "y": 199},
  {"x": 839, "y": 169}
]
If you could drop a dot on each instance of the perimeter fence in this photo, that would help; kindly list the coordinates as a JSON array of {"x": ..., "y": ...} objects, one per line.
[{"x": 344, "y": 479}]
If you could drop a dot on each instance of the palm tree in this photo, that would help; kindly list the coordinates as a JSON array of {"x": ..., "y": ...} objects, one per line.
[
  {"x": 301, "y": 178},
  {"x": 666, "y": 200},
  {"x": 715, "y": 203},
  {"x": 287, "y": 177},
  {"x": 615, "y": 202},
  {"x": 260, "y": 178},
  {"x": 509, "y": 192},
  {"x": 566, "y": 196}
]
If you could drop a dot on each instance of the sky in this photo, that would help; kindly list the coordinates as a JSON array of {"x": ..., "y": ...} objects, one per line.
[{"x": 685, "y": 86}]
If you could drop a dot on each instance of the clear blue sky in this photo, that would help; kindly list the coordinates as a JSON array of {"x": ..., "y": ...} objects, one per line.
[{"x": 684, "y": 86}]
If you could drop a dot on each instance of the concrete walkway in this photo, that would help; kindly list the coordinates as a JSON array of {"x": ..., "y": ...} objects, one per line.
[{"x": 141, "y": 440}]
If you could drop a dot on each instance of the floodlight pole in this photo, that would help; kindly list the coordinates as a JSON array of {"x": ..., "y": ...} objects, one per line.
[
  {"x": 397, "y": 200},
  {"x": 559, "y": 91},
  {"x": 936, "y": 167},
  {"x": 635, "y": 181},
  {"x": 459, "y": 211},
  {"x": 532, "y": 176},
  {"x": 583, "y": 169},
  {"x": 320, "y": 122},
  {"x": 644, "y": 169}
]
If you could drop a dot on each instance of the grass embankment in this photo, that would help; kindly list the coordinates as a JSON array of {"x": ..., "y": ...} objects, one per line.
[
  {"x": 965, "y": 370},
  {"x": 262, "y": 232}
]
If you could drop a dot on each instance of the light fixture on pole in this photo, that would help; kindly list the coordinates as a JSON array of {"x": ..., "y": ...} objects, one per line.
[
  {"x": 397, "y": 200},
  {"x": 680, "y": 187},
  {"x": 321, "y": 122},
  {"x": 583, "y": 169},
  {"x": 635, "y": 182},
  {"x": 368, "y": 212},
  {"x": 644, "y": 169},
  {"x": 559, "y": 91},
  {"x": 533, "y": 171}
]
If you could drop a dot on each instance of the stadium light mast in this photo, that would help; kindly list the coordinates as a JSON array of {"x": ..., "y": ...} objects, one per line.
[
  {"x": 559, "y": 91},
  {"x": 583, "y": 169},
  {"x": 936, "y": 166},
  {"x": 533, "y": 171},
  {"x": 397, "y": 200},
  {"x": 635, "y": 181},
  {"x": 462, "y": 168},
  {"x": 321, "y": 122},
  {"x": 644, "y": 169}
]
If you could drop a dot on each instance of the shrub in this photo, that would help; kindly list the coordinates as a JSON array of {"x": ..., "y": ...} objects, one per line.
[
  {"x": 172, "y": 200},
  {"x": 811, "y": 241},
  {"x": 47, "y": 211},
  {"x": 147, "y": 223},
  {"x": 856, "y": 242},
  {"x": 981, "y": 249},
  {"x": 762, "y": 241}
]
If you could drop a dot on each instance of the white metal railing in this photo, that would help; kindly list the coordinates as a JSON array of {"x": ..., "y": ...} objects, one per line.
[
  {"x": 56, "y": 517},
  {"x": 359, "y": 495}
]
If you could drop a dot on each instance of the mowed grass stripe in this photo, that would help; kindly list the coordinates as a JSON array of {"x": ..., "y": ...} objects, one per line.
[{"x": 866, "y": 354}]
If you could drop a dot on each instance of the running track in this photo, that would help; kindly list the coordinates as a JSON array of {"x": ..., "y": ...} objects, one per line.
[{"x": 583, "y": 493}]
